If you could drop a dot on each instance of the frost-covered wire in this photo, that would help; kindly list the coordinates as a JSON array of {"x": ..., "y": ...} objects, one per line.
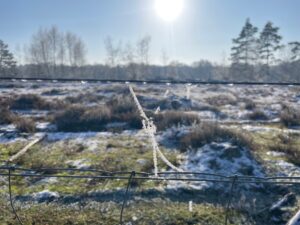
[{"x": 150, "y": 129}]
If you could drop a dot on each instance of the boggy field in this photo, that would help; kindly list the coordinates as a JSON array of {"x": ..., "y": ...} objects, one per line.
[{"x": 219, "y": 129}]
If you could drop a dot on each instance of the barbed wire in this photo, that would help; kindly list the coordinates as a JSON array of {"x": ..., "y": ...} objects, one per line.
[
  {"x": 133, "y": 175},
  {"x": 149, "y": 81}
]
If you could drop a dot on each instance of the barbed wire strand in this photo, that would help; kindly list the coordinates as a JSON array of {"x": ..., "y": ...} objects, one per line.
[
  {"x": 136, "y": 81},
  {"x": 10, "y": 198},
  {"x": 132, "y": 175},
  {"x": 234, "y": 179},
  {"x": 163, "y": 176}
]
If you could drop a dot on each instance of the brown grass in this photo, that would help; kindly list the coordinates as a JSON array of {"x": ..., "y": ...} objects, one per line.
[
  {"x": 290, "y": 116},
  {"x": 175, "y": 118},
  {"x": 25, "y": 125},
  {"x": 222, "y": 100},
  {"x": 81, "y": 118},
  {"x": 249, "y": 104},
  {"x": 257, "y": 115},
  {"x": 6, "y": 116},
  {"x": 206, "y": 133}
]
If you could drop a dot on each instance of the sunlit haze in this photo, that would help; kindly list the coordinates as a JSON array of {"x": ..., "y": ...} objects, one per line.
[{"x": 187, "y": 30}]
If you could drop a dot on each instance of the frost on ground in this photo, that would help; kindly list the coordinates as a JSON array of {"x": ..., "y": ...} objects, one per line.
[
  {"x": 222, "y": 159},
  {"x": 255, "y": 110}
]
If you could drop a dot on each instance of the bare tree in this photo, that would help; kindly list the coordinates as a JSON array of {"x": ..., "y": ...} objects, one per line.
[
  {"x": 142, "y": 50},
  {"x": 165, "y": 61},
  {"x": 75, "y": 50},
  {"x": 50, "y": 48},
  {"x": 143, "y": 46},
  {"x": 113, "y": 52}
]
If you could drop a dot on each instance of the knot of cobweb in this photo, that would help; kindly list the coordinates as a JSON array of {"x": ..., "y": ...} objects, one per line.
[{"x": 150, "y": 128}]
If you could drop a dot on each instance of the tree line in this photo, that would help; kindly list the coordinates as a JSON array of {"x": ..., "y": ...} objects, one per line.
[
  {"x": 253, "y": 52},
  {"x": 255, "y": 56}
]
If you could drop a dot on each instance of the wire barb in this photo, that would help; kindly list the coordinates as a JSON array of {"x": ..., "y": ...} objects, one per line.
[{"x": 132, "y": 175}]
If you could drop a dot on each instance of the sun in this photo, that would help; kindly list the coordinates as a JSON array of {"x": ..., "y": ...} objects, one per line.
[{"x": 169, "y": 10}]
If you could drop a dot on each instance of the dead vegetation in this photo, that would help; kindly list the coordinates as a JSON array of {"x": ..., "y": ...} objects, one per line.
[
  {"x": 249, "y": 104},
  {"x": 288, "y": 144},
  {"x": 290, "y": 116},
  {"x": 206, "y": 133},
  {"x": 25, "y": 125},
  {"x": 257, "y": 115},
  {"x": 81, "y": 118},
  {"x": 30, "y": 102},
  {"x": 221, "y": 100},
  {"x": 6, "y": 116},
  {"x": 175, "y": 118}
]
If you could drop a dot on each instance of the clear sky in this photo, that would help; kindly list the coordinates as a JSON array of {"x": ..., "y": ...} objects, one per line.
[{"x": 204, "y": 30}]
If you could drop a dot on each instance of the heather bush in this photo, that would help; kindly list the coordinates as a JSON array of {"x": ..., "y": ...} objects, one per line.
[
  {"x": 206, "y": 133},
  {"x": 257, "y": 115},
  {"x": 30, "y": 101},
  {"x": 175, "y": 118},
  {"x": 25, "y": 125},
  {"x": 290, "y": 116}
]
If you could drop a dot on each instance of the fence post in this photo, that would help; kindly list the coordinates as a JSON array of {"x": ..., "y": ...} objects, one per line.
[
  {"x": 10, "y": 195},
  {"x": 126, "y": 195},
  {"x": 234, "y": 179}
]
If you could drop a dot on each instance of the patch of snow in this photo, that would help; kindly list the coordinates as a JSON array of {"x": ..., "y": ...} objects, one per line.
[
  {"x": 79, "y": 164},
  {"x": 80, "y": 136},
  {"x": 276, "y": 154},
  {"x": 45, "y": 196},
  {"x": 219, "y": 158},
  {"x": 116, "y": 125},
  {"x": 48, "y": 180},
  {"x": 286, "y": 168}
]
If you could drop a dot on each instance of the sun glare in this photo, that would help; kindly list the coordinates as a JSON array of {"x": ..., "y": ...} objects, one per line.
[{"x": 169, "y": 10}]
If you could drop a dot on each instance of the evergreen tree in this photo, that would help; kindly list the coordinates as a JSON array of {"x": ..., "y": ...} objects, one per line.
[
  {"x": 295, "y": 49},
  {"x": 269, "y": 43},
  {"x": 7, "y": 62},
  {"x": 244, "y": 49}
]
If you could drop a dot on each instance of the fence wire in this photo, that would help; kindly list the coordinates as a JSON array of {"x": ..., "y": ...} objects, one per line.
[{"x": 232, "y": 181}]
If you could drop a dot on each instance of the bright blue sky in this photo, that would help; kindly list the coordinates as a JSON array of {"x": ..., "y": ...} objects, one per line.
[{"x": 203, "y": 31}]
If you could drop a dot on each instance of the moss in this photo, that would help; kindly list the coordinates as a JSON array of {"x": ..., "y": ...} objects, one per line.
[
  {"x": 139, "y": 213},
  {"x": 277, "y": 141},
  {"x": 8, "y": 150},
  {"x": 123, "y": 154}
]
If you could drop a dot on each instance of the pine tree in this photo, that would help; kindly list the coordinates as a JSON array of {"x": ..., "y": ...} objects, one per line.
[
  {"x": 295, "y": 49},
  {"x": 7, "y": 62},
  {"x": 269, "y": 43},
  {"x": 244, "y": 50}
]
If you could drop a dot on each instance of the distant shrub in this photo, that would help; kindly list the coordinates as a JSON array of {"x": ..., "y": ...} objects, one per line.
[
  {"x": 290, "y": 116},
  {"x": 30, "y": 101},
  {"x": 79, "y": 118},
  {"x": 93, "y": 118},
  {"x": 222, "y": 100},
  {"x": 6, "y": 116},
  {"x": 25, "y": 125},
  {"x": 288, "y": 144},
  {"x": 206, "y": 133},
  {"x": 249, "y": 104},
  {"x": 123, "y": 109},
  {"x": 84, "y": 97},
  {"x": 257, "y": 115},
  {"x": 5, "y": 102},
  {"x": 175, "y": 118},
  {"x": 121, "y": 104},
  {"x": 52, "y": 92}
]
